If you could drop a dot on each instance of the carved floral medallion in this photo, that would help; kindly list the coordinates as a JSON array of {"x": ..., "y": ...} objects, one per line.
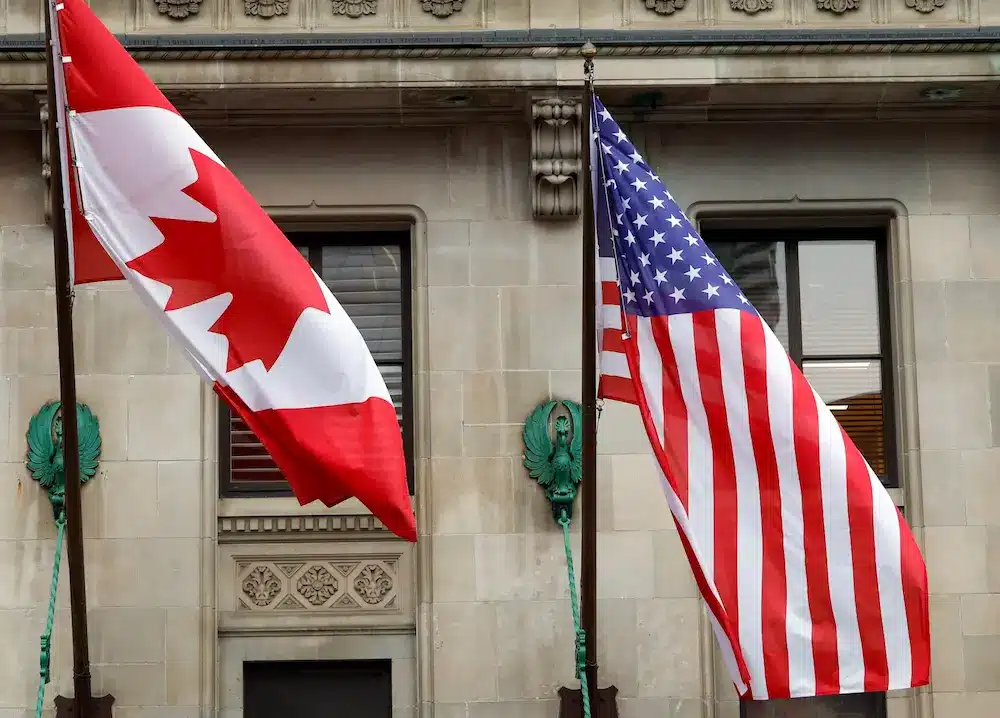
[
  {"x": 261, "y": 586},
  {"x": 441, "y": 8},
  {"x": 265, "y": 8},
  {"x": 925, "y": 5},
  {"x": 665, "y": 7},
  {"x": 372, "y": 584},
  {"x": 838, "y": 6},
  {"x": 355, "y": 8},
  {"x": 751, "y": 7},
  {"x": 317, "y": 585},
  {"x": 178, "y": 9}
]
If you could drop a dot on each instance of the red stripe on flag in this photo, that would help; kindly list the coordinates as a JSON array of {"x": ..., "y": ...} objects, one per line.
[
  {"x": 774, "y": 584},
  {"x": 914, "y": 574},
  {"x": 609, "y": 294},
  {"x": 617, "y": 388},
  {"x": 861, "y": 516},
  {"x": 611, "y": 341},
  {"x": 807, "y": 458},
  {"x": 725, "y": 563},
  {"x": 675, "y": 418}
]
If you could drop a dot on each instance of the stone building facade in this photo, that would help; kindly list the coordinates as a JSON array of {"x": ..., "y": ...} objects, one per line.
[{"x": 426, "y": 138}]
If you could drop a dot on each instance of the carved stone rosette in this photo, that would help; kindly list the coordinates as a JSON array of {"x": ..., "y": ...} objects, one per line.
[
  {"x": 178, "y": 9},
  {"x": 337, "y": 584},
  {"x": 355, "y": 8},
  {"x": 751, "y": 7},
  {"x": 441, "y": 8},
  {"x": 555, "y": 158},
  {"x": 838, "y": 6},
  {"x": 925, "y": 6},
  {"x": 665, "y": 7},
  {"x": 265, "y": 8}
]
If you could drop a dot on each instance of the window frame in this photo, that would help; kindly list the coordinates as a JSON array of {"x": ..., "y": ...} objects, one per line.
[
  {"x": 792, "y": 237},
  {"x": 315, "y": 240}
]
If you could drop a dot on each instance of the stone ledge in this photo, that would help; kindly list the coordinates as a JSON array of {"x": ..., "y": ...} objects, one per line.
[{"x": 243, "y": 529}]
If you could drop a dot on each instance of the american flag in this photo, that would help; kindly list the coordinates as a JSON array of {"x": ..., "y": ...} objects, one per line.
[{"x": 813, "y": 580}]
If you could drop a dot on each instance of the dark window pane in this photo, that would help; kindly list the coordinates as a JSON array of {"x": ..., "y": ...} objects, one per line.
[
  {"x": 759, "y": 270},
  {"x": 859, "y": 705},
  {"x": 853, "y": 392},
  {"x": 839, "y": 291}
]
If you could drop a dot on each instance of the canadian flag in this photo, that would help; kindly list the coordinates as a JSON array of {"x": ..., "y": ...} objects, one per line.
[{"x": 151, "y": 202}]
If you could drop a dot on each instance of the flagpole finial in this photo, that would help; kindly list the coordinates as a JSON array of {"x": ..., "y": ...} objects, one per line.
[{"x": 588, "y": 50}]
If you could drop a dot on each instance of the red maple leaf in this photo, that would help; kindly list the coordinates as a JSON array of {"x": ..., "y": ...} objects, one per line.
[{"x": 243, "y": 253}]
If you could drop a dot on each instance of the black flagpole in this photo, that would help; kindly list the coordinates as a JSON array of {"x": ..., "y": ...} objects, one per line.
[{"x": 83, "y": 707}]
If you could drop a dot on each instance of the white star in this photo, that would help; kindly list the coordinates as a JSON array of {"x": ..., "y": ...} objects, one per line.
[
  {"x": 660, "y": 276},
  {"x": 628, "y": 295},
  {"x": 657, "y": 238},
  {"x": 610, "y": 183},
  {"x": 667, "y": 192},
  {"x": 656, "y": 202},
  {"x": 711, "y": 291},
  {"x": 630, "y": 238},
  {"x": 621, "y": 166},
  {"x": 640, "y": 220},
  {"x": 677, "y": 294},
  {"x": 614, "y": 232},
  {"x": 648, "y": 296},
  {"x": 634, "y": 277},
  {"x": 627, "y": 202},
  {"x": 621, "y": 136},
  {"x": 636, "y": 157},
  {"x": 709, "y": 259},
  {"x": 693, "y": 272},
  {"x": 691, "y": 239},
  {"x": 606, "y": 148},
  {"x": 674, "y": 222},
  {"x": 605, "y": 115},
  {"x": 644, "y": 258},
  {"x": 595, "y": 135},
  {"x": 726, "y": 279},
  {"x": 638, "y": 184},
  {"x": 657, "y": 179},
  {"x": 675, "y": 255},
  {"x": 618, "y": 218},
  {"x": 742, "y": 298}
]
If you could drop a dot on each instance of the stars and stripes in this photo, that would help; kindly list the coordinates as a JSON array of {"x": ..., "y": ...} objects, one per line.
[{"x": 813, "y": 580}]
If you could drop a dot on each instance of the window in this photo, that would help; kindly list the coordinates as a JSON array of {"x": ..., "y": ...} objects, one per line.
[
  {"x": 369, "y": 274},
  {"x": 291, "y": 689},
  {"x": 825, "y": 295}
]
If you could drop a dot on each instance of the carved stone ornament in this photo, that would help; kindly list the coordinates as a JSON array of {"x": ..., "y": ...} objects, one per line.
[
  {"x": 317, "y": 585},
  {"x": 372, "y": 584},
  {"x": 751, "y": 7},
  {"x": 265, "y": 8},
  {"x": 178, "y": 9},
  {"x": 355, "y": 8},
  {"x": 665, "y": 7},
  {"x": 838, "y": 6},
  {"x": 43, "y": 118},
  {"x": 925, "y": 5},
  {"x": 261, "y": 586},
  {"x": 555, "y": 158},
  {"x": 441, "y": 8}
]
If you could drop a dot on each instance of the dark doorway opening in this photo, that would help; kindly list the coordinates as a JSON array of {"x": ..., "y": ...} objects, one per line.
[{"x": 317, "y": 689}]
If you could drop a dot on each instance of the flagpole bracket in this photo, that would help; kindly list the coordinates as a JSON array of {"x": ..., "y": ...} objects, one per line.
[{"x": 553, "y": 451}]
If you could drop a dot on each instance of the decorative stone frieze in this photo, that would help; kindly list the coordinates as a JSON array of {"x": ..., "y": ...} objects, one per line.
[
  {"x": 925, "y": 6},
  {"x": 751, "y": 7},
  {"x": 265, "y": 8},
  {"x": 555, "y": 157},
  {"x": 665, "y": 7},
  {"x": 332, "y": 584},
  {"x": 838, "y": 6},
  {"x": 441, "y": 8},
  {"x": 178, "y": 9},
  {"x": 43, "y": 118},
  {"x": 355, "y": 8},
  {"x": 243, "y": 529}
]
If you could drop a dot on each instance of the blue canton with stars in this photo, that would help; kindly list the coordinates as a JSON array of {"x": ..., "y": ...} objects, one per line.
[{"x": 664, "y": 267}]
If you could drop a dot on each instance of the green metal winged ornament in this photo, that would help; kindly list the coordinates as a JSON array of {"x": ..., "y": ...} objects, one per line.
[
  {"x": 555, "y": 465},
  {"x": 45, "y": 449}
]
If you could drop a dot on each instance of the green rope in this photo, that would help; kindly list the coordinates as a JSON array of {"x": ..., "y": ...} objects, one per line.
[
  {"x": 581, "y": 635},
  {"x": 45, "y": 659}
]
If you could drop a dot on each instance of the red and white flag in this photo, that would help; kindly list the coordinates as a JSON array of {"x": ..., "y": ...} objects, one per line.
[
  {"x": 813, "y": 579},
  {"x": 251, "y": 314}
]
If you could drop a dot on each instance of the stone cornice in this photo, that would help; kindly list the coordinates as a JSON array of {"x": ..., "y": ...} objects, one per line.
[
  {"x": 242, "y": 529},
  {"x": 537, "y": 43}
]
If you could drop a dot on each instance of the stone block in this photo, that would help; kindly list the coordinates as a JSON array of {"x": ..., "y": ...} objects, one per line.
[
  {"x": 538, "y": 673},
  {"x": 129, "y": 499},
  {"x": 448, "y": 254},
  {"x": 953, "y": 406},
  {"x": 982, "y": 670},
  {"x": 142, "y": 349},
  {"x": 502, "y": 254},
  {"x": 164, "y": 418},
  {"x": 981, "y": 469},
  {"x": 127, "y": 635},
  {"x": 445, "y": 407},
  {"x": 939, "y": 247},
  {"x": 502, "y": 397},
  {"x": 170, "y": 572},
  {"x": 981, "y": 615},
  {"x": 463, "y": 328},
  {"x": 465, "y": 652},
  {"x": 944, "y": 485},
  {"x": 453, "y": 568},
  {"x": 26, "y": 259},
  {"x": 637, "y": 495},
  {"x": 972, "y": 331},
  {"x": 620, "y": 578},
  {"x": 956, "y": 559},
  {"x": 672, "y": 573},
  {"x": 984, "y": 232},
  {"x": 132, "y": 684},
  {"x": 541, "y": 327},
  {"x": 947, "y": 652},
  {"x": 930, "y": 325},
  {"x": 668, "y": 648}
]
